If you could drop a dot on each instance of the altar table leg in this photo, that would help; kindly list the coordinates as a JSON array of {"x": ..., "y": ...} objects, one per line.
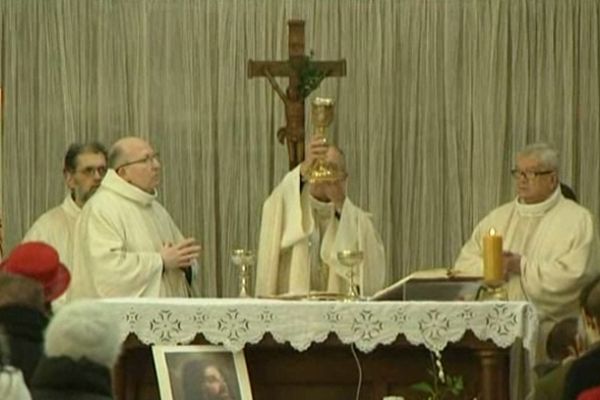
[{"x": 493, "y": 377}]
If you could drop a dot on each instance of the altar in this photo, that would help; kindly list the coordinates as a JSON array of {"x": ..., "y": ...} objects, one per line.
[{"x": 302, "y": 349}]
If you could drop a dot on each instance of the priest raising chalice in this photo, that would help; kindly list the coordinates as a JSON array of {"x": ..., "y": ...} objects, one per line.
[{"x": 308, "y": 220}]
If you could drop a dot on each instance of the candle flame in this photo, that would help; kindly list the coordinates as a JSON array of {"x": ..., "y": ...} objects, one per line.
[{"x": 492, "y": 232}]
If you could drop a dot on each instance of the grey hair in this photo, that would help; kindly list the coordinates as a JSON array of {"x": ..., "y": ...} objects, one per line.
[{"x": 543, "y": 152}]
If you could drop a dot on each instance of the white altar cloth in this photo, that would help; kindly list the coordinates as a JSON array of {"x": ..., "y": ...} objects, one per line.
[{"x": 233, "y": 323}]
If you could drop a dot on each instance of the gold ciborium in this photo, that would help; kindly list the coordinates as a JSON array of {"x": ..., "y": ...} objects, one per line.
[
  {"x": 244, "y": 260},
  {"x": 350, "y": 259},
  {"x": 322, "y": 116}
]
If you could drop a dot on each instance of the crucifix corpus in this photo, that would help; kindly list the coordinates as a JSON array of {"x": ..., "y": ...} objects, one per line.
[{"x": 304, "y": 76}]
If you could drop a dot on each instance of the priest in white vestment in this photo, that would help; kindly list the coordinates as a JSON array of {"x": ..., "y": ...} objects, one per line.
[
  {"x": 126, "y": 243},
  {"x": 550, "y": 244},
  {"x": 303, "y": 228},
  {"x": 84, "y": 168}
]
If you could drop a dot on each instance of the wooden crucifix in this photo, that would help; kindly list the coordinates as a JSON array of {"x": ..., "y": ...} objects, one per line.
[{"x": 304, "y": 75}]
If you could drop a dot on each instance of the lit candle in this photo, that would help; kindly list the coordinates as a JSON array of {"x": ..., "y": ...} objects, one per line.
[{"x": 493, "y": 275}]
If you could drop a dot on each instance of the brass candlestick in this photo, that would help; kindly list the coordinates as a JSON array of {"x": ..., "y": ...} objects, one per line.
[
  {"x": 244, "y": 260},
  {"x": 322, "y": 116},
  {"x": 350, "y": 259},
  {"x": 488, "y": 293}
]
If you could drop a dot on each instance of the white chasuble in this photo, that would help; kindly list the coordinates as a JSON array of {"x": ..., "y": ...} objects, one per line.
[
  {"x": 296, "y": 226},
  {"x": 558, "y": 244},
  {"x": 56, "y": 227},
  {"x": 118, "y": 240}
]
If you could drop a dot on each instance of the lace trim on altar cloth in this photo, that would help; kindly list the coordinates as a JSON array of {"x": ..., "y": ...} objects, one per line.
[{"x": 234, "y": 323}]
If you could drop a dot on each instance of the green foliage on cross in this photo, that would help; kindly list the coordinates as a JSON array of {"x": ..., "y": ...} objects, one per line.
[{"x": 310, "y": 76}]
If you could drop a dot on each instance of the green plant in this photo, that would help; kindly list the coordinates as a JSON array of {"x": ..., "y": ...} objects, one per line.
[
  {"x": 310, "y": 76},
  {"x": 442, "y": 386}
]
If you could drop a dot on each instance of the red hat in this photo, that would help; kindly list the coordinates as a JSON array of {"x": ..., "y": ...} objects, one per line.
[{"x": 40, "y": 262}]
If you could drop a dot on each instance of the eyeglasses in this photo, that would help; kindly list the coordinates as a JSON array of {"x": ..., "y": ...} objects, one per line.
[
  {"x": 146, "y": 160},
  {"x": 528, "y": 175},
  {"x": 90, "y": 171}
]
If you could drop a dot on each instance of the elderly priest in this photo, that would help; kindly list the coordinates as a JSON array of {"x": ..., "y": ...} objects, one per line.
[
  {"x": 126, "y": 243},
  {"x": 550, "y": 243}
]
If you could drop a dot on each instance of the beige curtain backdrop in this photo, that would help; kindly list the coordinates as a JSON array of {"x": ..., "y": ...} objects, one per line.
[{"x": 439, "y": 96}]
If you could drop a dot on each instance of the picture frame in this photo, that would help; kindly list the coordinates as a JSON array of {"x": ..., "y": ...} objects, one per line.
[{"x": 201, "y": 372}]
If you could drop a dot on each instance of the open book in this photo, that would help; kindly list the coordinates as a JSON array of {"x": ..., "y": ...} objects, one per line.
[{"x": 432, "y": 284}]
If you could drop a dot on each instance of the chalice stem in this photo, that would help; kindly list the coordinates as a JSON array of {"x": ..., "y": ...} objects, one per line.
[{"x": 244, "y": 281}]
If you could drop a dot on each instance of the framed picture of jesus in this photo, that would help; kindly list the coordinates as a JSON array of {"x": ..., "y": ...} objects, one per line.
[{"x": 201, "y": 372}]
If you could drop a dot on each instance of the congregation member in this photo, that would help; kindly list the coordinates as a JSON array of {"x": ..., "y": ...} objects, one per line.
[
  {"x": 82, "y": 345},
  {"x": 84, "y": 168},
  {"x": 31, "y": 277},
  {"x": 23, "y": 320},
  {"x": 304, "y": 226},
  {"x": 584, "y": 374},
  {"x": 550, "y": 243},
  {"x": 590, "y": 394},
  {"x": 126, "y": 243},
  {"x": 12, "y": 384},
  {"x": 563, "y": 347}
]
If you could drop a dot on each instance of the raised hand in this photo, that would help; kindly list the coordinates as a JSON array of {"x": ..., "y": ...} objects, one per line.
[{"x": 317, "y": 149}]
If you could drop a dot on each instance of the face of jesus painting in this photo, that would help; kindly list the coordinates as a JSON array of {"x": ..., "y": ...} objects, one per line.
[
  {"x": 214, "y": 384},
  {"x": 211, "y": 378}
]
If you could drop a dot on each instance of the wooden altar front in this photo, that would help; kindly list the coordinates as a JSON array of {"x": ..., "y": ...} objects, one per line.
[
  {"x": 328, "y": 370},
  {"x": 326, "y": 367}
]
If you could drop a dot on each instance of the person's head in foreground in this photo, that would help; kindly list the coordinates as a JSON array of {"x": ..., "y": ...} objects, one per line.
[{"x": 82, "y": 345}]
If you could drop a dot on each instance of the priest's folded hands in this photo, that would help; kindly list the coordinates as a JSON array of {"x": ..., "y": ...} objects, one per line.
[
  {"x": 511, "y": 263},
  {"x": 180, "y": 255}
]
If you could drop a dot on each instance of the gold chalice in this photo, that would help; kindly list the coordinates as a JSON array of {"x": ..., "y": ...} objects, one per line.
[
  {"x": 350, "y": 259},
  {"x": 322, "y": 116},
  {"x": 244, "y": 260}
]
